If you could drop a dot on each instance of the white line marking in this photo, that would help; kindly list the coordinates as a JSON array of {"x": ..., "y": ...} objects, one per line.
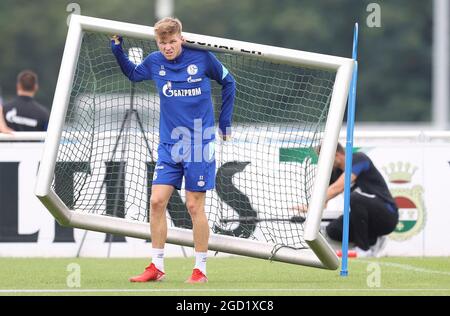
[
  {"x": 23, "y": 291},
  {"x": 405, "y": 267}
]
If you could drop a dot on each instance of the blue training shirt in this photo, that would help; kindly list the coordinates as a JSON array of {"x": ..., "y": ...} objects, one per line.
[{"x": 185, "y": 92}]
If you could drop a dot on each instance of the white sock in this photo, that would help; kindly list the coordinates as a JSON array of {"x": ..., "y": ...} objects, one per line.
[
  {"x": 200, "y": 261},
  {"x": 158, "y": 258}
]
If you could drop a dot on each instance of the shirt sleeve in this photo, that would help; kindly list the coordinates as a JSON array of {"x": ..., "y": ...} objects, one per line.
[
  {"x": 360, "y": 164},
  {"x": 220, "y": 74},
  {"x": 135, "y": 73}
]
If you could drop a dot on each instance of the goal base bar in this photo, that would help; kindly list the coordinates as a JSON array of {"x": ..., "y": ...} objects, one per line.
[{"x": 183, "y": 237}]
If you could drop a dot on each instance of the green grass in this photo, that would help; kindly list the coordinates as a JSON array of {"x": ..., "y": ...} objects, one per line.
[{"x": 229, "y": 277}]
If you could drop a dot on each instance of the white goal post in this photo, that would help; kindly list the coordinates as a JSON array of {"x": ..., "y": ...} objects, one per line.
[{"x": 319, "y": 254}]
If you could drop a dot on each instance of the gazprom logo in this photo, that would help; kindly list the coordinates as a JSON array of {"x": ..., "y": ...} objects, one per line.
[{"x": 169, "y": 92}]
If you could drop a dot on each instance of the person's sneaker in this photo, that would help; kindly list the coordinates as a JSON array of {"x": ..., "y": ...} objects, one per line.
[
  {"x": 379, "y": 246},
  {"x": 151, "y": 274},
  {"x": 360, "y": 253},
  {"x": 197, "y": 277}
]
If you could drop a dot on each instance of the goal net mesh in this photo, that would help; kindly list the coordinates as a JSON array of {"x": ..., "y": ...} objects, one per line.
[{"x": 108, "y": 150}]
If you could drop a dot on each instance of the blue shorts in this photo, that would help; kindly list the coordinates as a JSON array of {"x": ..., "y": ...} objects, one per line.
[{"x": 196, "y": 163}]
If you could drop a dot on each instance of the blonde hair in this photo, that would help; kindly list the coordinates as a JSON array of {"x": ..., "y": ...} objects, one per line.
[{"x": 168, "y": 27}]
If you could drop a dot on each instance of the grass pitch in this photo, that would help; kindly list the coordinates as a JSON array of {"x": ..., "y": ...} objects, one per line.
[{"x": 234, "y": 276}]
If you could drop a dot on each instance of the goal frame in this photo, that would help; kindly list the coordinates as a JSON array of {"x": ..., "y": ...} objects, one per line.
[{"x": 320, "y": 254}]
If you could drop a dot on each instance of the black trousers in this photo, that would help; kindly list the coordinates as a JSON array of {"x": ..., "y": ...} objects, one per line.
[{"x": 370, "y": 218}]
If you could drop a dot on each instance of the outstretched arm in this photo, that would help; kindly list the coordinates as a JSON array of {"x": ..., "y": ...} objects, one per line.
[
  {"x": 135, "y": 73},
  {"x": 219, "y": 73},
  {"x": 338, "y": 186}
]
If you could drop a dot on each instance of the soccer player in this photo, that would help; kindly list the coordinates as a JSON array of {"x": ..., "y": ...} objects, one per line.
[
  {"x": 373, "y": 209},
  {"x": 24, "y": 114},
  {"x": 182, "y": 77}
]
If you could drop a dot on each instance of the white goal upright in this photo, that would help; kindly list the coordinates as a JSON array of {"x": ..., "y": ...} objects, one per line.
[{"x": 101, "y": 146}]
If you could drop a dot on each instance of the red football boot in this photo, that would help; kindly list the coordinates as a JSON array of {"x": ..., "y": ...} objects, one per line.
[
  {"x": 197, "y": 277},
  {"x": 151, "y": 274}
]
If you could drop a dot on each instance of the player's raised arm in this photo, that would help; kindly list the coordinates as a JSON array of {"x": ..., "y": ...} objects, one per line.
[{"x": 135, "y": 73}]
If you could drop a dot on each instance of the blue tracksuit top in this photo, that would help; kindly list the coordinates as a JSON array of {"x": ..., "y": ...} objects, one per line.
[{"x": 186, "y": 110}]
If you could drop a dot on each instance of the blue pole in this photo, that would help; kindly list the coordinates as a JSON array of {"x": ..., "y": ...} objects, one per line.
[{"x": 349, "y": 154}]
